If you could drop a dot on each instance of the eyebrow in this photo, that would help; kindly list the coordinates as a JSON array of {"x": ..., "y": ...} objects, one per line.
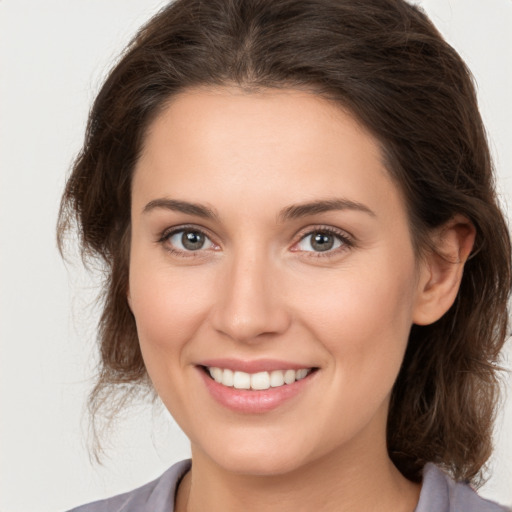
[
  {"x": 295, "y": 211},
  {"x": 305, "y": 209},
  {"x": 186, "y": 207}
]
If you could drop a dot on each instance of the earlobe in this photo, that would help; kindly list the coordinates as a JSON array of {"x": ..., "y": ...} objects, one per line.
[{"x": 442, "y": 268}]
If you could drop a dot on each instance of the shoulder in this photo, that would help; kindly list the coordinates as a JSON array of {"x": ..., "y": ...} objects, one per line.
[
  {"x": 440, "y": 493},
  {"x": 155, "y": 496}
]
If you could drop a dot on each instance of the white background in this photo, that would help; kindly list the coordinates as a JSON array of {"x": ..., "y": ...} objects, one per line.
[{"x": 54, "y": 54}]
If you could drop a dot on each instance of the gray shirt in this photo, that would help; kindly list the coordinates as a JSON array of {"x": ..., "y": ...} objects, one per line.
[{"x": 439, "y": 493}]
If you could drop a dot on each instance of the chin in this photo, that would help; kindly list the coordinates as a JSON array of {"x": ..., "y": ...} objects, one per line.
[
  {"x": 261, "y": 463},
  {"x": 258, "y": 459}
]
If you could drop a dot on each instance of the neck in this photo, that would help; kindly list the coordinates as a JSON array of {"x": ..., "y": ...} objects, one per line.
[{"x": 346, "y": 480}]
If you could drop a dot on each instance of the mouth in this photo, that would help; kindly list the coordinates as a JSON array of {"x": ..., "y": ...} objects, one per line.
[
  {"x": 259, "y": 381},
  {"x": 256, "y": 386}
]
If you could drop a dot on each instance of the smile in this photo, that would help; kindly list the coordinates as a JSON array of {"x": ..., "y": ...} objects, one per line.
[
  {"x": 257, "y": 386},
  {"x": 256, "y": 381}
]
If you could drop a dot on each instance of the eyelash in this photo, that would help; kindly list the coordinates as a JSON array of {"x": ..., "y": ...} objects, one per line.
[
  {"x": 346, "y": 241},
  {"x": 168, "y": 233}
]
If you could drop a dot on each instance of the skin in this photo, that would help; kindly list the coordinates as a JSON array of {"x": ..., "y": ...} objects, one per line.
[{"x": 259, "y": 289}]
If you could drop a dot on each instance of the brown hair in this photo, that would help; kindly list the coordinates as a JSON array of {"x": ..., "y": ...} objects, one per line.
[{"x": 384, "y": 61}]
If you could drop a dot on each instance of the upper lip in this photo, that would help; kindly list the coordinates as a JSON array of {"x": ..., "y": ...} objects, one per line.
[{"x": 254, "y": 366}]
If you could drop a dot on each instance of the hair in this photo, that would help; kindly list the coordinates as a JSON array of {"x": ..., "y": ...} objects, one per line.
[{"x": 384, "y": 62}]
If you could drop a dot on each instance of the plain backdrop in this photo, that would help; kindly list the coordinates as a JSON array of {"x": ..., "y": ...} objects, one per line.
[{"x": 54, "y": 54}]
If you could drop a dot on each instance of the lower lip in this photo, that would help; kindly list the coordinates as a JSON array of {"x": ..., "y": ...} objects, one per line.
[{"x": 252, "y": 401}]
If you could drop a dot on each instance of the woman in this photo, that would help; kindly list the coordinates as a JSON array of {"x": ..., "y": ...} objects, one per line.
[{"x": 305, "y": 257}]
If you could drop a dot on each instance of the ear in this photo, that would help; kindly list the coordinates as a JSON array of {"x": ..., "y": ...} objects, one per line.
[{"x": 441, "y": 269}]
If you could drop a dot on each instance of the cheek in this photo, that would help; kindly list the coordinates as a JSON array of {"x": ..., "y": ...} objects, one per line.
[
  {"x": 168, "y": 306},
  {"x": 169, "y": 309},
  {"x": 364, "y": 325},
  {"x": 363, "y": 318}
]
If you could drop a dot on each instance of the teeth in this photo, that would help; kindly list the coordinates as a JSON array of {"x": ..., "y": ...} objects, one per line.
[
  {"x": 260, "y": 380},
  {"x": 241, "y": 380},
  {"x": 276, "y": 379},
  {"x": 289, "y": 376},
  {"x": 227, "y": 377},
  {"x": 216, "y": 373},
  {"x": 301, "y": 374},
  {"x": 257, "y": 381}
]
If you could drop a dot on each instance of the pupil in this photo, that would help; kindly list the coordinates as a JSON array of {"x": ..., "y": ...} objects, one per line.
[
  {"x": 322, "y": 242},
  {"x": 192, "y": 240}
]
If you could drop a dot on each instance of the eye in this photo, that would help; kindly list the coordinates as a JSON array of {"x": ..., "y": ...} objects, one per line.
[
  {"x": 187, "y": 240},
  {"x": 322, "y": 241}
]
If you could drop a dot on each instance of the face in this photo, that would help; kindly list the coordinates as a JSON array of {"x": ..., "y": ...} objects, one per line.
[{"x": 270, "y": 250}]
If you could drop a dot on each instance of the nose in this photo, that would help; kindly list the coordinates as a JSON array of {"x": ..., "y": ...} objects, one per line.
[{"x": 250, "y": 305}]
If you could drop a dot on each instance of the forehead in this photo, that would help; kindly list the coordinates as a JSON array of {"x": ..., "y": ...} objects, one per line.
[
  {"x": 221, "y": 111},
  {"x": 287, "y": 145}
]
